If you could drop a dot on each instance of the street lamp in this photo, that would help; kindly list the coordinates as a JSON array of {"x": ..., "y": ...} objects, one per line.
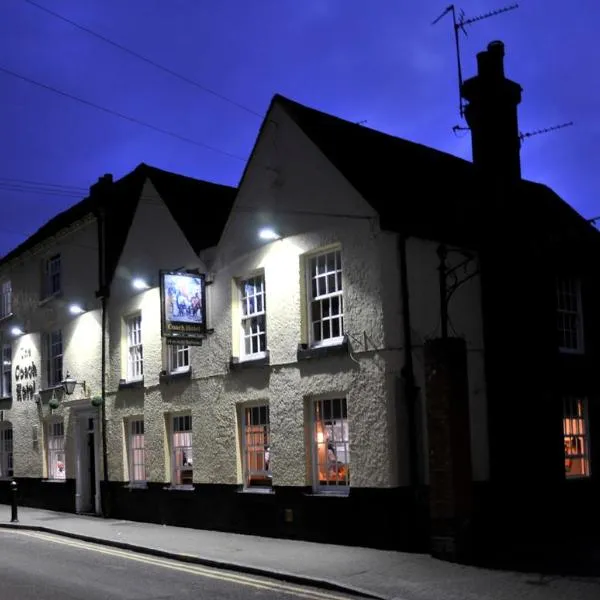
[{"x": 69, "y": 384}]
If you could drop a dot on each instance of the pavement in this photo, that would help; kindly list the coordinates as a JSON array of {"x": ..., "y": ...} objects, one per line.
[{"x": 366, "y": 572}]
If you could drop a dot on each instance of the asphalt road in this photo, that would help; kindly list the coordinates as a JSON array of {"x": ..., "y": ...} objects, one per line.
[{"x": 40, "y": 566}]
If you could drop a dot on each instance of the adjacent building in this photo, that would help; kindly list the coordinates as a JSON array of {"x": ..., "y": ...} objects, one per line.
[{"x": 368, "y": 342}]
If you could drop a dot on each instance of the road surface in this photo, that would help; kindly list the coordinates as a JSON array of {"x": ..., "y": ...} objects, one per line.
[{"x": 41, "y": 566}]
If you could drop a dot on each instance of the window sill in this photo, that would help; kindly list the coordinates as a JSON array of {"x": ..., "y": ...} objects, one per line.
[
  {"x": 575, "y": 351},
  {"x": 167, "y": 378},
  {"x": 141, "y": 485},
  {"x": 49, "y": 298},
  {"x": 179, "y": 488},
  {"x": 236, "y": 363},
  {"x": 133, "y": 384},
  {"x": 327, "y": 494},
  {"x": 256, "y": 490},
  {"x": 306, "y": 352}
]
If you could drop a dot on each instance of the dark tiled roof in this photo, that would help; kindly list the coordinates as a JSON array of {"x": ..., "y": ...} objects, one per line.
[
  {"x": 189, "y": 200},
  {"x": 426, "y": 192}
]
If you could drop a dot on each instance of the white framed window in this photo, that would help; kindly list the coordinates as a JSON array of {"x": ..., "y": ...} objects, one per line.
[
  {"x": 253, "y": 343},
  {"x": 569, "y": 315},
  {"x": 178, "y": 358},
  {"x": 6, "y": 450},
  {"x": 181, "y": 451},
  {"x": 5, "y": 298},
  {"x": 576, "y": 437},
  {"x": 135, "y": 355},
  {"x": 331, "y": 445},
  {"x": 53, "y": 350},
  {"x": 6, "y": 379},
  {"x": 51, "y": 277},
  {"x": 136, "y": 451},
  {"x": 325, "y": 298},
  {"x": 256, "y": 446},
  {"x": 55, "y": 450}
]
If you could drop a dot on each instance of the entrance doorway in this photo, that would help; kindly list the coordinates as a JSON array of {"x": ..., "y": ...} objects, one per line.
[{"x": 87, "y": 498}]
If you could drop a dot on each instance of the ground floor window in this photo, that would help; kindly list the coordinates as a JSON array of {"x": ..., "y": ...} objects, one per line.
[
  {"x": 137, "y": 451},
  {"x": 576, "y": 437},
  {"x": 256, "y": 446},
  {"x": 6, "y": 450},
  {"x": 55, "y": 448},
  {"x": 331, "y": 445},
  {"x": 181, "y": 446}
]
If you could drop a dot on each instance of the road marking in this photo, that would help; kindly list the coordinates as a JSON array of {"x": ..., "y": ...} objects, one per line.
[{"x": 212, "y": 573}]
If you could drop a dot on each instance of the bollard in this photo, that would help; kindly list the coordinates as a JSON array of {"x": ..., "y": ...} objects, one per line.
[{"x": 13, "y": 489}]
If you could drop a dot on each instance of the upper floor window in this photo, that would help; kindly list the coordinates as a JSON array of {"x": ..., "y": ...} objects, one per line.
[
  {"x": 256, "y": 446},
  {"x": 135, "y": 356},
  {"x": 181, "y": 451},
  {"x": 253, "y": 316},
  {"x": 51, "y": 278},
  {"x": 5, "y": 299},
  {"x": 6, "y": 450},
  {"x": 326, "y": 309},
  {"x": 55, "y": 450},
  {"x": 136, "y": 451},
  {"x": 53, "y": 354},
  {"x": 331, "y": 445},
  {"x": 569, "y": 315},
  {"x": 6, "y": 380},
  {"x": 576, "y": 437},
  {"x": 178, "y": 358}
]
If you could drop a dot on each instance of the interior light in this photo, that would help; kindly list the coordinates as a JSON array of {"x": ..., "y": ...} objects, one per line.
[
  {"x": 139, "y": 284},
  {"x": 16, "y": 331},
  {"x": 75, "y": 309},
  {"x": 268, "y": 234}
]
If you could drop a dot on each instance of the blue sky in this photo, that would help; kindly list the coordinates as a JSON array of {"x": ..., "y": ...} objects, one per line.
[{"x": 379, "y": 61}]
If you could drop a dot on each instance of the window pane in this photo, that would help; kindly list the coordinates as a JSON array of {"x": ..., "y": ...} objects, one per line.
[
  {"x": 576, "y": 437},
  {"x": 326, "y": 297},
  {"x": 257, "y": 446},
  {"x": 331, "y": 440},
  {"x": 253, "y": 317}
]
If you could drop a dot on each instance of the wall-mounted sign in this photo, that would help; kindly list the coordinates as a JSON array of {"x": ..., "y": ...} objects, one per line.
[
  {"x": 183, "y": 307},
  {"x": 25, "y": 376}
]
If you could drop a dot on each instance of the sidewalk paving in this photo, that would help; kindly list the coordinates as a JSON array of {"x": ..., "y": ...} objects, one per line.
[{"x": 374, "y": 573}]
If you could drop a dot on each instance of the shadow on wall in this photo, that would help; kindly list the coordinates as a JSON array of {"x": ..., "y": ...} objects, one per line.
[{"x": 130, "y": 398}]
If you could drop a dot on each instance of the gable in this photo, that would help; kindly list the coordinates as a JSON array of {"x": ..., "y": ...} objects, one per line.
[
  {"x": 154, "y": 241},
  {"x": 290, "y": 186}
]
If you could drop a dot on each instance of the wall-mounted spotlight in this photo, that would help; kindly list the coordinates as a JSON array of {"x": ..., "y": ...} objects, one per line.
[
  {"x": 76, "y": 309},
  {"x": 140, "y": 284},
  {"x": 268, "y": 233},
  {"x": 16, "y": 331}
]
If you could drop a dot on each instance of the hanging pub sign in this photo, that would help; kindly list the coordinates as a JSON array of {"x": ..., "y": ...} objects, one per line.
[{"x": 183, "y": 307}]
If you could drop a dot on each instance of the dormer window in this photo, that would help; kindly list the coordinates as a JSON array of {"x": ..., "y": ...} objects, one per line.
[
  {"x": 51, "y": 277},
  {"x": 5, "y": 299}
]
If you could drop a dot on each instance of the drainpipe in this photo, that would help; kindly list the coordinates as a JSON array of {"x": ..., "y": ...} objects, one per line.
[
  {"x": 408, "y": 374},
  {"x": 103, "y": 293}
]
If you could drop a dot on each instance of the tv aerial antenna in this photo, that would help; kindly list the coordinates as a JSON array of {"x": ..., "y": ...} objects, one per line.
[
  {"x": 459, "y": 23},
  {"x": 523, "y": 136}
]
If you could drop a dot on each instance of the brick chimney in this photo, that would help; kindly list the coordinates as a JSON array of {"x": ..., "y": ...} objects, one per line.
[
  {"x": 491, "y": 114},
  {"x": 102, "y": 184}
]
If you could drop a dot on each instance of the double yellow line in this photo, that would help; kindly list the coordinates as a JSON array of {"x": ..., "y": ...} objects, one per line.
[{"x": 191, "y": 569}]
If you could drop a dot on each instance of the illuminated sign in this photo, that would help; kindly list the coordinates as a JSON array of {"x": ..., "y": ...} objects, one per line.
[{"x": 183, "y": 307}]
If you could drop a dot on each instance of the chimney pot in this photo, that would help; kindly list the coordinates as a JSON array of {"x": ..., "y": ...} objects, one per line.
[{"x": 490, "y": 62}]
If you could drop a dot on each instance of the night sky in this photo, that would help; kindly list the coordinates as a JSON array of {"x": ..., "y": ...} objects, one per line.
[{"x": 379, "y": 61}]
